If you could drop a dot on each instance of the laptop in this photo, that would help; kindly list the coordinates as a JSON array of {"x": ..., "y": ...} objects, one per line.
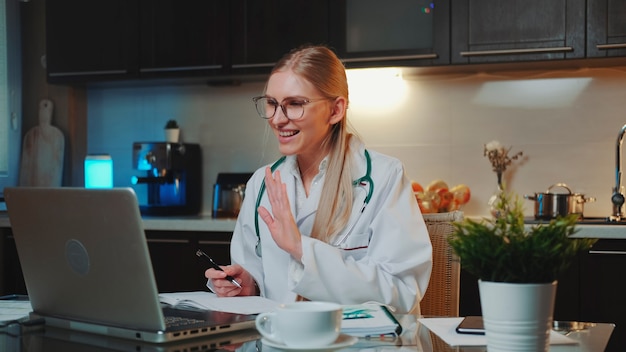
[{"x": 87, "y": 267}]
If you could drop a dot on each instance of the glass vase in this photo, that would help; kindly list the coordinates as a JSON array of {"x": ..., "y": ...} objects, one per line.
[{"x": 494, "y": 203}]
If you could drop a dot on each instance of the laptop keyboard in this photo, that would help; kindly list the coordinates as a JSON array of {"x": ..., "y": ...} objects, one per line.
[{"x": 173, "y": 321}]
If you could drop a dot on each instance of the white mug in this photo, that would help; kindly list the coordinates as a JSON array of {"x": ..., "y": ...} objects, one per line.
[{"x": 302, "y": 324}]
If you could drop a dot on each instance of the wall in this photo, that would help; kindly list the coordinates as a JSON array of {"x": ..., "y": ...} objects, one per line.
[{"x": 565, "y": 121}]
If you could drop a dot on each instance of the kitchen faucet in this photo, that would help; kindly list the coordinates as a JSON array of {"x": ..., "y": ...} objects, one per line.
[{"x": 618, "y": 196}]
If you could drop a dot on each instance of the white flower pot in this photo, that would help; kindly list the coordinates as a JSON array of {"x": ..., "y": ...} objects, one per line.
[
  {"x": 517, "y": 317},
  {"x": 172, "y": 135}
]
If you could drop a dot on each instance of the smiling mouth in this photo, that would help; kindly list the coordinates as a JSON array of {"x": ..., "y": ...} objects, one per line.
[{"x": 288, "y": 133}]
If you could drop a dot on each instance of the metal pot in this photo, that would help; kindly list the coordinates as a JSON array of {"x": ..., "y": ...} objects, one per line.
[
  {"x": 551, "y": 205},
  {"x": 227, "y": 200}
]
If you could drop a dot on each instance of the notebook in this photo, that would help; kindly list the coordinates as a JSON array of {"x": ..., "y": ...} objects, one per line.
[{"x": 87, "y": 267}]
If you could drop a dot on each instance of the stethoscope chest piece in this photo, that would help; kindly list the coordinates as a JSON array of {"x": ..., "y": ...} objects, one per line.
[{"x": 257, "y": 248}]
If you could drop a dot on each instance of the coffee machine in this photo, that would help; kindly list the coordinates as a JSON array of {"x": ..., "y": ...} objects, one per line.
[{"x": 172, "y": 175}]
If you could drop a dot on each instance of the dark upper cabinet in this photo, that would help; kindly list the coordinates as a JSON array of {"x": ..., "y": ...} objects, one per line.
[
  {"x": 399, "y": 33},
  {"x": 129, "y": 39},
  {"x": 485, "y": 31},
  {"x": 91, "y": 39},
  {"x": 606, "y": 28},
  {"x": 99, "y": 40},
  {"x": 183, "y": 37},
  {"x": 263, "y": 31}
]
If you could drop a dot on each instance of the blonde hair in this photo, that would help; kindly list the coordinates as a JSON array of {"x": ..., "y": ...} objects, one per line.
[{"x": 321, "y": 67}]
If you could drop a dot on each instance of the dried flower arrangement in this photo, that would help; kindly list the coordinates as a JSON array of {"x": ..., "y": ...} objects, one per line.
[{"x": 499, "y": 157}]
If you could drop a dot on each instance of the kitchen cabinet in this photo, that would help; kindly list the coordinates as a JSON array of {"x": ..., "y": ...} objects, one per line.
[
  {"x": 489, "y": 31},
  {"x": 11, "y": 277},
  {"x": 263, "y": 31},
  {"x": 135, "y": 39},
  {"x": 91, "y": 40},
  {"x": 180, "y": 38},
  {"x": 603, "y": 288},
  {"x": 130, "y": 39},
  {"x": 172, "y": 39},
  {"x": 174, "y": 261},
  {"x": 606, "y": 28},
  {"x": 173, "y": 255},
  {"x": 400, "y": 33}
]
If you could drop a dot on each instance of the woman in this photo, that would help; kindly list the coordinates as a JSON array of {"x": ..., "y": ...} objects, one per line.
[{"x": 330, "y": 221}]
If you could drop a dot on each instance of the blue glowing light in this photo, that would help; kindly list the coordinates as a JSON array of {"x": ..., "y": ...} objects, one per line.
[{"x": 98, "y": 171}]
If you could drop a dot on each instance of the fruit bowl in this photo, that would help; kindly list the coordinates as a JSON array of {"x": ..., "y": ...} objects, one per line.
[{"x": 437, "y": 197}]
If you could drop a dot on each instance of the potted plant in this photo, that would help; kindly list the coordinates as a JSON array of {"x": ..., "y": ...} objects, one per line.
[
  {"x": 517, "y": 266},
  {"x": 172, "y": 131}
]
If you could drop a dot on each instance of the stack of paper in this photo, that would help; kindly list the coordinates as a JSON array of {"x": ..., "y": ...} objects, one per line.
[
  {"x": 14, "y": 311},
  {"x": 369, "y": 320},
  {"x": 209, "y": 301}
]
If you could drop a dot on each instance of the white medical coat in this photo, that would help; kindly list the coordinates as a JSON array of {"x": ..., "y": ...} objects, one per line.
[{"x": 386, "y": 257}]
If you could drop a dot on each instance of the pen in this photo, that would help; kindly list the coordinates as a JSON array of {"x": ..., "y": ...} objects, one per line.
[{"x": 200, "y": 253}]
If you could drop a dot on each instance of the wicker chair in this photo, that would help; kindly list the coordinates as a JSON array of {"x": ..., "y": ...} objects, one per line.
[{"x": 442, "y": 296}]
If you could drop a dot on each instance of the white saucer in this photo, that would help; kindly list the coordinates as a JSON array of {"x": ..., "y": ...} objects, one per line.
[{"x": 341, "y": 342}]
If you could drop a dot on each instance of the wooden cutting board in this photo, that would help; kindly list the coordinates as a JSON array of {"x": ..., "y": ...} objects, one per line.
[{"x": 43, "y": 150}]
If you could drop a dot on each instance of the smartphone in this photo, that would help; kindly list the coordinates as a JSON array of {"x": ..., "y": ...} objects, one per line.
[{"x": 471, "y": 325}]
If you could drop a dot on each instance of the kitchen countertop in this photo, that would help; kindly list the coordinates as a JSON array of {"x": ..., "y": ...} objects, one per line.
[
  {"x": 174, "y": 223},
  {"x": 592, "y": 228},
  {"x": 601, "y": 231},
  {"x": 208, "y": 224}
]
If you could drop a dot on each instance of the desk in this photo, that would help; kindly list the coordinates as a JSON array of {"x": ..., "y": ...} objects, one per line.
[{"x": 416, "y": 337}]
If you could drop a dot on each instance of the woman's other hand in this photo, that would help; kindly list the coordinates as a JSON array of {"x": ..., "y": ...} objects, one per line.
[
  {"x": 224, "y": 288},
  {"x": 280, "y": 222}
]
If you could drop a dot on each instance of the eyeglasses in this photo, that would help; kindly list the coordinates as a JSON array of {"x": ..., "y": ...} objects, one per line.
[{"x": 293, "y": 108}]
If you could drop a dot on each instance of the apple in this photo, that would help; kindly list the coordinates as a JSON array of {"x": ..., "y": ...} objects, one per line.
[
  {"x": 454, "y": 205},
  {"x": 419, "y": 196},
  {"x": 433, "y": 199},
  {"x": 416, "y": 187},
  {"x": 437, "y": 185},
  {"x": 425, "y": 207},
  {"x": 446, "y": 197},
  {"x": 461, "y": 193}
]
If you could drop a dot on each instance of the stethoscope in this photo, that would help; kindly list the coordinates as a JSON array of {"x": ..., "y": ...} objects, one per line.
[{"x": 361, "y": 181}]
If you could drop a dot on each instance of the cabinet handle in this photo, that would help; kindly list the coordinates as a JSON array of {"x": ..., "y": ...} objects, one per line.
[
  {"x": 607, "y": 252},
  {"x": 158, "y": 240},
  {"x": 611, "y": 46},
  {"x": 214, "y": 242},
  {"x": 87, "y": 73},
  {"x": 516, "y": 51},
  {"x": 392, "y": 58},
  {"x": 260, "y": 65},
  {"x": 178, "y": 69}
]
